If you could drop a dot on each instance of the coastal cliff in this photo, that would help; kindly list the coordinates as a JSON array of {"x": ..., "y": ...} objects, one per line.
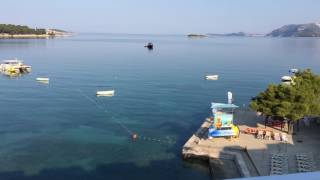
[{"x": 297, "y": 30}]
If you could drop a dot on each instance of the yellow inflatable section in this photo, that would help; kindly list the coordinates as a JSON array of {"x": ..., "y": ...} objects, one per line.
[{"x": 235, "y": 130}]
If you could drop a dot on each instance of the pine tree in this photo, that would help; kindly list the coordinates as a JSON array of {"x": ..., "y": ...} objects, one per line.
[{"x": 292, "y": 102}]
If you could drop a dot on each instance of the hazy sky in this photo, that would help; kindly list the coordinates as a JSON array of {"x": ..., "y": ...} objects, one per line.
[{"x": 160, "y": 16}]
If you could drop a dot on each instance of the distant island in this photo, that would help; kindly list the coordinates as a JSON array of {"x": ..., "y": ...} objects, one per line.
[
  {"x": 297, "y": 30},
  {"x": 291, "y": 30},
  {"x": 8, "y": 31},
  {"x": 196, "y": 35},
  {"x": 236, "y": 34}
]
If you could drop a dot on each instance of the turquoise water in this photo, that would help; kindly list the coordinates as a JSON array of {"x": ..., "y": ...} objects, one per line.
[{"x": 63, "y": 131}]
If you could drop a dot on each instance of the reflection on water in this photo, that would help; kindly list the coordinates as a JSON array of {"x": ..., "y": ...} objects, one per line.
[
  {"x": 11, "y": 75},
  {"x": 22, "y": 43}
]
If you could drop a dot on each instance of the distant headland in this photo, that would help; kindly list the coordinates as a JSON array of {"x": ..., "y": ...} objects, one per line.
[
  {"x": 291, "y": 30},
  {"x": 10, "y": 31},
  {"x": 297, "y": 30}
]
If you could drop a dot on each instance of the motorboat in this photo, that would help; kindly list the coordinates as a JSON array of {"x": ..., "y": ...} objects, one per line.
[
  {"x": 14, "y": 66},
  {"x": 149, "y": 45},
  {"x": 212, "y": 77},
  {"x": 286, "y": 79},
  {"x": 105, "y": 93}
]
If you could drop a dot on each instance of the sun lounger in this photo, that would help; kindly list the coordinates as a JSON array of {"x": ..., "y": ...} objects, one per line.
[
  {"x": 260, "y": 134},
  {"x": 276, "y": 136},
  {"x": 250, "y": 131},
  {"x": 267, "y": 135},
  {"x": 284, "y": 137}
]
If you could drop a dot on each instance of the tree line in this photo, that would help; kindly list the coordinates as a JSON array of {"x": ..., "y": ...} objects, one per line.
[
  {"x": 292, "y": 102},
  {"x": 18, "y": 29}
]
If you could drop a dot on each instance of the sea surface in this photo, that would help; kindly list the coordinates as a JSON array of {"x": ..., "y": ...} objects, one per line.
[{"x": 61, "y": 130}]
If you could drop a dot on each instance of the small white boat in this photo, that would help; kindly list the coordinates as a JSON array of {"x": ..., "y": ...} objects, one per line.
[
  {"x": 212, "y": 77},
  {"x": 105, "y": 93},
  {"x": 286, "y": 79},
  {"x": 43, "y": 80}
]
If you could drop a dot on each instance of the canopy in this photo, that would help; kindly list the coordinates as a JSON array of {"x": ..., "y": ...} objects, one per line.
[
  {"x": 11, "y": 61},
  {"x": 223, "y": 106}
]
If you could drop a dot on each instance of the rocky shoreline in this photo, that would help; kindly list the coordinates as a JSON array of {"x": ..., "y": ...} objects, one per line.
[{"x": 33, "y": 36}]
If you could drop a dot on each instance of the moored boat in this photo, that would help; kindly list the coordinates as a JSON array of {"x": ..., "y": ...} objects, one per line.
[
  {"x": 286, "y": 79},
  {"x": 105, "y": 93},
  {"x": 14, "y": 66},
  {"x": 43, "y": 80},
  {"x": 212, "y": 77},
  {"x": 149, "y": 45}
]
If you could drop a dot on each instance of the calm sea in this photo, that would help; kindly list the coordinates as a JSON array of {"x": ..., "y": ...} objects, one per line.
[{"x": 62, "y": 130}]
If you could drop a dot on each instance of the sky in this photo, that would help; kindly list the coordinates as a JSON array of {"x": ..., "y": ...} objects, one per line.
[{"x": 160, "y": 16}]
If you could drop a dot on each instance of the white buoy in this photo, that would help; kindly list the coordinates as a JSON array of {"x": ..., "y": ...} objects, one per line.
[
  {"x": 105, "y": 93},
  {"x": 230, "y": 97}
]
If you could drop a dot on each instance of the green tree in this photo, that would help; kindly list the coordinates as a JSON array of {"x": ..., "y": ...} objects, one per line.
[
  {"x": 293, "y": 102},
  {"x": 18, "y": 29}
]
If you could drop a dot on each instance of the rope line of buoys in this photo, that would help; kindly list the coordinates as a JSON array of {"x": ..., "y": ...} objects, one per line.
[
  {"x": 157, "y": 140},
  {"x": 104, "y": 111},
  {"x": 92, "y": 100},
  {"x": 134, "y": 136}
]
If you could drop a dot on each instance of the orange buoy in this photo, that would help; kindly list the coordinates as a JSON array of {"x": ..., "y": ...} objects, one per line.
[{"x": 134, "y": 136}]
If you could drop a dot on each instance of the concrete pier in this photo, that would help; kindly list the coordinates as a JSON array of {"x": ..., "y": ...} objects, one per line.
[
  {"x": 251, "y": 156},
  {"x": 198, "y": 146}
]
